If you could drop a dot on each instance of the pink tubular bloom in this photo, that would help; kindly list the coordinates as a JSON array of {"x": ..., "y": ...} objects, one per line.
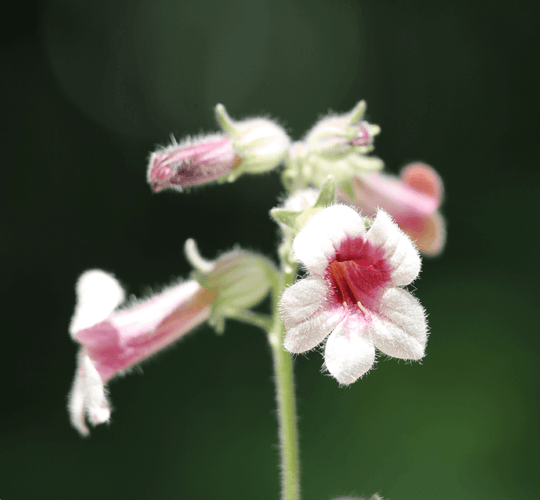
[
  {"x": 192, "y": 162},
  {"x": 113, "y": 340},
  {"x": 412, "y": 200},
  {"x": 353, "y": 294}
]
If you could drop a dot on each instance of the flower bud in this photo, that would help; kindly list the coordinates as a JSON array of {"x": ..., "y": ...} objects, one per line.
[
  {"x": 261, "y": 143},
  {"x": 239, "y": 278},
  {"x": 337, "y": 134},
  {"x": 192, "y": 162},
  {"x": 337, "y": 146},
  {"x": 253, "y": 146}
]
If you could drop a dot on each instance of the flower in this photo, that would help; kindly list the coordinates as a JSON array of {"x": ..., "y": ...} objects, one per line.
[
  {"x": 412, "y": 200},
  {"x": 114, "y": 340},
  {"x": 249, "y": 146},
  {"x": 353, "y": 293}
]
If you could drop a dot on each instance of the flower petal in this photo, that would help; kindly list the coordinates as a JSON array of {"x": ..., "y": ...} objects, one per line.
[
  {"x": 400, "y": 330},
  {"x": 400, "y": 251},
  {"x": 306, "y": 315},
  {"x": 98, "y": 295},
  {"x": 349, "y": 350},
  {"x": 425, "y": 179},
  {"x": 87, "y": 396},
  {"x": 302, "y": 300},
  {"x": 428, "y": 232},
  {"x": 316, "y": 244}
]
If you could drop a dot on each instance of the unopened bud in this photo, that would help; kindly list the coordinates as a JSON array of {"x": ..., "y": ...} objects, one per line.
[
  {"x": 261, "y": 143},
  {"x": 240, "y": 279}
]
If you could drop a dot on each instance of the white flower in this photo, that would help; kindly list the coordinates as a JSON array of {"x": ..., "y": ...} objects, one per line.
[{"x": 353, "y": 294}]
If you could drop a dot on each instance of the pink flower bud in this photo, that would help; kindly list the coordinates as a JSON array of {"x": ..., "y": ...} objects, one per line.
[{"x": 192, "y": 162}]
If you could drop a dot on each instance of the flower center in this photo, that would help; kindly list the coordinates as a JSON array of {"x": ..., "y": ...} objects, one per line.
[{"x": 359, "y": 275}]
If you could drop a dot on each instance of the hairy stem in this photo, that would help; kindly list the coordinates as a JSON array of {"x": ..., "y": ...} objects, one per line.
[{"x": 285, "y": 396}]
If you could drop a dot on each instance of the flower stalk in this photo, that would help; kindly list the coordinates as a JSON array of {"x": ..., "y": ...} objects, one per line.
[{"x": 285, "y": 394}]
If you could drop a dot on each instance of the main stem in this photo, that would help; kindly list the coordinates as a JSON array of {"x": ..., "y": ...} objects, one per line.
[{"x": 285, "y": 395}]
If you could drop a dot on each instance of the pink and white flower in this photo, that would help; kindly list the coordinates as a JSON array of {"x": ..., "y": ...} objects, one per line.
[
  {"x": 412, "y": 200},
  {"x": 353, "y": 294},
  {"x": 113, "y": 340}
]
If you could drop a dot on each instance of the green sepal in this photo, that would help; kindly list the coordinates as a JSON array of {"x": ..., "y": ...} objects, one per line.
[
  {"x": 327, "y": 194},
  {"x": 285, "y": 217}
]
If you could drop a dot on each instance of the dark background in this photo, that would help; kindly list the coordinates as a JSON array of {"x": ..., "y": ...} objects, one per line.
[{"x": 87, "y": 91}]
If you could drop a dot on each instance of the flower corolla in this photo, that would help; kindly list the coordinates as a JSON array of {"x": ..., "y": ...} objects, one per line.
[
  {"x": 353, "y": 294},
  {"x": 412, "y": 200}
]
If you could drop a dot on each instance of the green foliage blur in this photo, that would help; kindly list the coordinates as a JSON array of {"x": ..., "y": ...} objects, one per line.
[{"x": 88, "y": 89}]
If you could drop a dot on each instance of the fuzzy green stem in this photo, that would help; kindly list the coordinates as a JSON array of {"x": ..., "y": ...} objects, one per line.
[
  {"x": 285, "y": 396},
  {"x": 263, "y": 321}
]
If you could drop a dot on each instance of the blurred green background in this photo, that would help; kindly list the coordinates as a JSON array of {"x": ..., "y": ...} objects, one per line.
[{"x": 87, "y": 91}]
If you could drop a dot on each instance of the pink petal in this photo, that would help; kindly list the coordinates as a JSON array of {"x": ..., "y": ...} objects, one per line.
[
  {"x": 428, "y": 232},
  {"x": 424, "y": 179}
]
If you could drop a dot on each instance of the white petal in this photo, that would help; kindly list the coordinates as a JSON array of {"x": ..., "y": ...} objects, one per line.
[
  {"x": 316, "y": 244},
  {"x": 400, "y": 251},
  {"x": 349, "y": 350},
  {"x": 87, "y": 396},
  {"x": 307, "y": 316},
  {"x": 401, "y": 329},
  {"x": 98, "y": 295},
  {"x": 302, "y": 300}
]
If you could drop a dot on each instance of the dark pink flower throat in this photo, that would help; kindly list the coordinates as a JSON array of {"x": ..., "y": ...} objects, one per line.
[{"x": 359, "y": 274}]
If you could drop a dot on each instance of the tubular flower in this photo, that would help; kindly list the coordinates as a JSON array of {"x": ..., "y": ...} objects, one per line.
[
  {"x": 353, "y": 293},
  {"x": 412, "y": 200},
  {"x": 248, "y": 146},
  {"x": 113, "y": 340}
]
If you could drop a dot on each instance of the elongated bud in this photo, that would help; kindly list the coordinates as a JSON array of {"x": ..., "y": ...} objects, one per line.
[{"x": 192, "y": 162}]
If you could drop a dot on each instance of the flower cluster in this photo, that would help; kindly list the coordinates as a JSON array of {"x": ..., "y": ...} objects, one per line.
[{"x": 359, "y": 256}]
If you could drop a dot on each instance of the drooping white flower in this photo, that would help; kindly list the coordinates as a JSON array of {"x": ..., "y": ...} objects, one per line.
[{"x": 353, "y": 293}]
